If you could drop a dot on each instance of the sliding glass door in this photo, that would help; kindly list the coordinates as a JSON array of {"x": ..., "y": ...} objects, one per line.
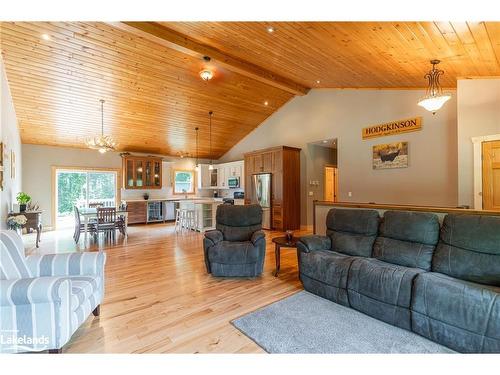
[{"x": 81, "y": 188}]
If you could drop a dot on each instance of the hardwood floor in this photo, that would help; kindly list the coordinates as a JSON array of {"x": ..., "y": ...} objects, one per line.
[{"x": 160, "y": 299}]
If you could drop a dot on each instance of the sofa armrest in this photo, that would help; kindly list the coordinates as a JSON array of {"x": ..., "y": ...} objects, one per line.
[
  {"x": 215, "y": 236},
  {"x": 29, "y": 291},
  {"x": 257, "y": 236},
  {"x": 70, "y": 264},
  {"x": 312, "y": 243}
]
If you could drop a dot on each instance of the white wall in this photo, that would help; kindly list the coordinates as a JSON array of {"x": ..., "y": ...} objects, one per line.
[
  {"x": 478, "y": 115},
  {"x": 39, "y": 160},
  {"x": 9, "y": 135},
  {"x": 431, "y": 178}
]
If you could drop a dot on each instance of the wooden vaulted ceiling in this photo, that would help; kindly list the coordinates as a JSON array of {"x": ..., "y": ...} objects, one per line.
[{"x": 148, "y": 73}]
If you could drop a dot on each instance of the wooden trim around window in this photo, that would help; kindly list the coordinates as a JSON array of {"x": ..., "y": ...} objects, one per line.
[
  {"x": 55, "y": 168},
  {"x": 193, "y": 191}
]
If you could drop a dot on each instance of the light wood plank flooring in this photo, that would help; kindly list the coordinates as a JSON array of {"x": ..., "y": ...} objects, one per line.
[{"x": 159, "y": 298}]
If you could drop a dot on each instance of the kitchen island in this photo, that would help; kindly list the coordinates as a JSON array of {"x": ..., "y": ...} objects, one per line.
[
  {"x": 204, "y": 211},
  {"x": 143, "y": 211}
]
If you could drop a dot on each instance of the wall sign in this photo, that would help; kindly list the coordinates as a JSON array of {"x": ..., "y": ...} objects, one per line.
[{"x": 394, "y": 127}]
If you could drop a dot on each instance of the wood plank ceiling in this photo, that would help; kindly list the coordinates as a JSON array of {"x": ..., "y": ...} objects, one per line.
[{"x": 149, "y": 73}]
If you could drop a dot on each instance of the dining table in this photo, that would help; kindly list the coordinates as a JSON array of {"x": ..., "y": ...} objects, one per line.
[{"x": 89, "y": 213}]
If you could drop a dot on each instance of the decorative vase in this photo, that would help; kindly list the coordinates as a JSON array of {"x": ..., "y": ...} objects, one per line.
[
  {"x": 289, "y": 235},
  {"x": 22, "y": 207},
  {"x": 146, "y": 196}
]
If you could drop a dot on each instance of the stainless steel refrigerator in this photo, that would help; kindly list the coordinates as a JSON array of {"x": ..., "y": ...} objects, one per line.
[{"x": 261, "y": 194}]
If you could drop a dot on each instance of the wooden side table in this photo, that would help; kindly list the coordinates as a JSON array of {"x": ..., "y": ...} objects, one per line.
[
  {"x": 34, "y": 222},
  {"x": 280, "y": 242}
]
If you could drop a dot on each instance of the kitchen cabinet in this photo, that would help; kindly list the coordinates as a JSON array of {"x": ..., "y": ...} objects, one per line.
[
  {"x": 221, "y": 176},
  {"x": 137, "y": 212},
  {"x": 283, "y": 163},
  {"x": 217, "y": 178},
  {"x": 203, "y": 177},
  {"x": 142, "y": 172}
]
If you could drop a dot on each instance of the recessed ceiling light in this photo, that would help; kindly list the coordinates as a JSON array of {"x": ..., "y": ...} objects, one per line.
[
  {"x": 45, "y": 36},
  {"x": 325, "y": 141},
  {"x": 318, "y": 81},
  {"x": 206, "y": 75},
  {"x": 270, "y": 29},
  {"x": 266, "y": 102}
]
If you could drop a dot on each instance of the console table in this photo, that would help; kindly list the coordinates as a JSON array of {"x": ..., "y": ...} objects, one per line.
[{"x": 34, "y": 222}]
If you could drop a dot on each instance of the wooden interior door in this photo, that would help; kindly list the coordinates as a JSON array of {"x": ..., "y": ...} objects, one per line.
[
  {"x": 491, "y": 175},
  {"x": 330, "y": 184}
]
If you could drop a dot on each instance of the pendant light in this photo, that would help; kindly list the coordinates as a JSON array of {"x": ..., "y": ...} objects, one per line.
[
  {"x": 197, "y": 166},
  {"x": 434, "y": 98},
  {"x": 102, "y": 143},
  {"x": 211, "y": 166}
]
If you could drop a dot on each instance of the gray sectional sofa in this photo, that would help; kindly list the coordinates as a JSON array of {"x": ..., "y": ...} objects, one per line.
[{"x": 440, "y": 282}]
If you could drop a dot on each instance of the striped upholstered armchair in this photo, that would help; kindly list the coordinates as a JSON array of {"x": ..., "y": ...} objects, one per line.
[{"x": 45, "y": 298}]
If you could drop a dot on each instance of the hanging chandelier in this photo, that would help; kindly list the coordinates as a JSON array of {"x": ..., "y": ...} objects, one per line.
[
  {"x": 102, "y": 143},
  {"x": 434, "y": 98},
  {"x": 211, "y": 166}
]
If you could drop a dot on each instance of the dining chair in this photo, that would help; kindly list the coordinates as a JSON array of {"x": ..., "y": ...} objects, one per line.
[
  {"x": 80, "y": 227},
  {"x": 120, "y": 220},
  {"x": 106, "y": 221}
]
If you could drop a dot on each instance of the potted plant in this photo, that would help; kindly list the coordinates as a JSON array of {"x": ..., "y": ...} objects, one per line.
[
  {"x": 23, "y": 199},
  {"x": 145, "y": 196}
]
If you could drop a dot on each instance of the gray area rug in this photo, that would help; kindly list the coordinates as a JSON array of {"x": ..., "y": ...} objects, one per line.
[{"x": 306, "y": 323}]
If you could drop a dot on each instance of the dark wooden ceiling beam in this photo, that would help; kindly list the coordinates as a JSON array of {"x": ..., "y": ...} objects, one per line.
[{"x": 172, "y": 39}]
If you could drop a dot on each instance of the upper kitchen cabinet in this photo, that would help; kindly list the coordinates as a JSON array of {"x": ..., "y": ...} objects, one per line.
[
  {"x": 208, "y": 178},
  {"x": 142, "y": 172},
  {"x": 222, "y": 176}
]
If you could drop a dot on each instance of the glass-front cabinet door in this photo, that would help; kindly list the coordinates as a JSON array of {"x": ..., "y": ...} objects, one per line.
[
  {"x": 142, "y": 172},
  {"x": 129, "y": 173},
  {"x": 148, "y": 175},
  {"x": 157, "y": 174},
  {"x": 139, "y": 173}
]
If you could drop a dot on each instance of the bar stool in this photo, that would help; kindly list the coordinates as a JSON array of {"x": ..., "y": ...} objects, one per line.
[
  {"x": 190, "y": 219},
  {"x": 180, "y": 215}
]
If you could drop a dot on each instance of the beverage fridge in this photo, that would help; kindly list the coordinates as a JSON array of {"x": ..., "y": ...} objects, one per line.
[{"x": 261, "y": 194}]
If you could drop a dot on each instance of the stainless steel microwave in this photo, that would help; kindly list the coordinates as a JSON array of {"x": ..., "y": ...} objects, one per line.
[{"x": 233, "y": 182}]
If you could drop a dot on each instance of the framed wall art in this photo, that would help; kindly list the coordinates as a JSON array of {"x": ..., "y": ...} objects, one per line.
[{"x": 390, "y": 155}]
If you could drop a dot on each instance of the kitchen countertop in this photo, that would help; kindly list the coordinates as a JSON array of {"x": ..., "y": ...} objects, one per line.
[{"x": 175, "y": 199}]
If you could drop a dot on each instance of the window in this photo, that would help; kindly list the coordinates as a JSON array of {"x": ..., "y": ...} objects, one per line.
[
  {"x": 183, "y": 182},
  {"x": 80, "y": 188}
]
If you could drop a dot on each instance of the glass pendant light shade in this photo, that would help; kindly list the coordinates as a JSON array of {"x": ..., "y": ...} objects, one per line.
[
  {"x": 102, "y": 143},
  {"x": 432, "y": 104},
  {"x": 434, "y": 98}
]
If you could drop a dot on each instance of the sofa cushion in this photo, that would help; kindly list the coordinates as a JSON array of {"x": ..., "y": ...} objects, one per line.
[
  {"x": 324, "y": 273},
  {"x": 326, "y": 266},
  {"x": 382, "y": 290},
  {"x": 407, "y": 239},
  {"x": 12, "y": 259},
  {"x": 352, "y": 231},
  {"x": 229, "y": 252},
  {"x": 462, "y": 315},
  {"x": 238, "y": 223},
  {"x": 82, "y": 287},
  {"x": 469, "y": 248}
]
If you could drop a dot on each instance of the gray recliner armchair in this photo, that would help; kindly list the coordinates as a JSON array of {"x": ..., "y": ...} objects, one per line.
[{"x": 237, "y": 247}]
